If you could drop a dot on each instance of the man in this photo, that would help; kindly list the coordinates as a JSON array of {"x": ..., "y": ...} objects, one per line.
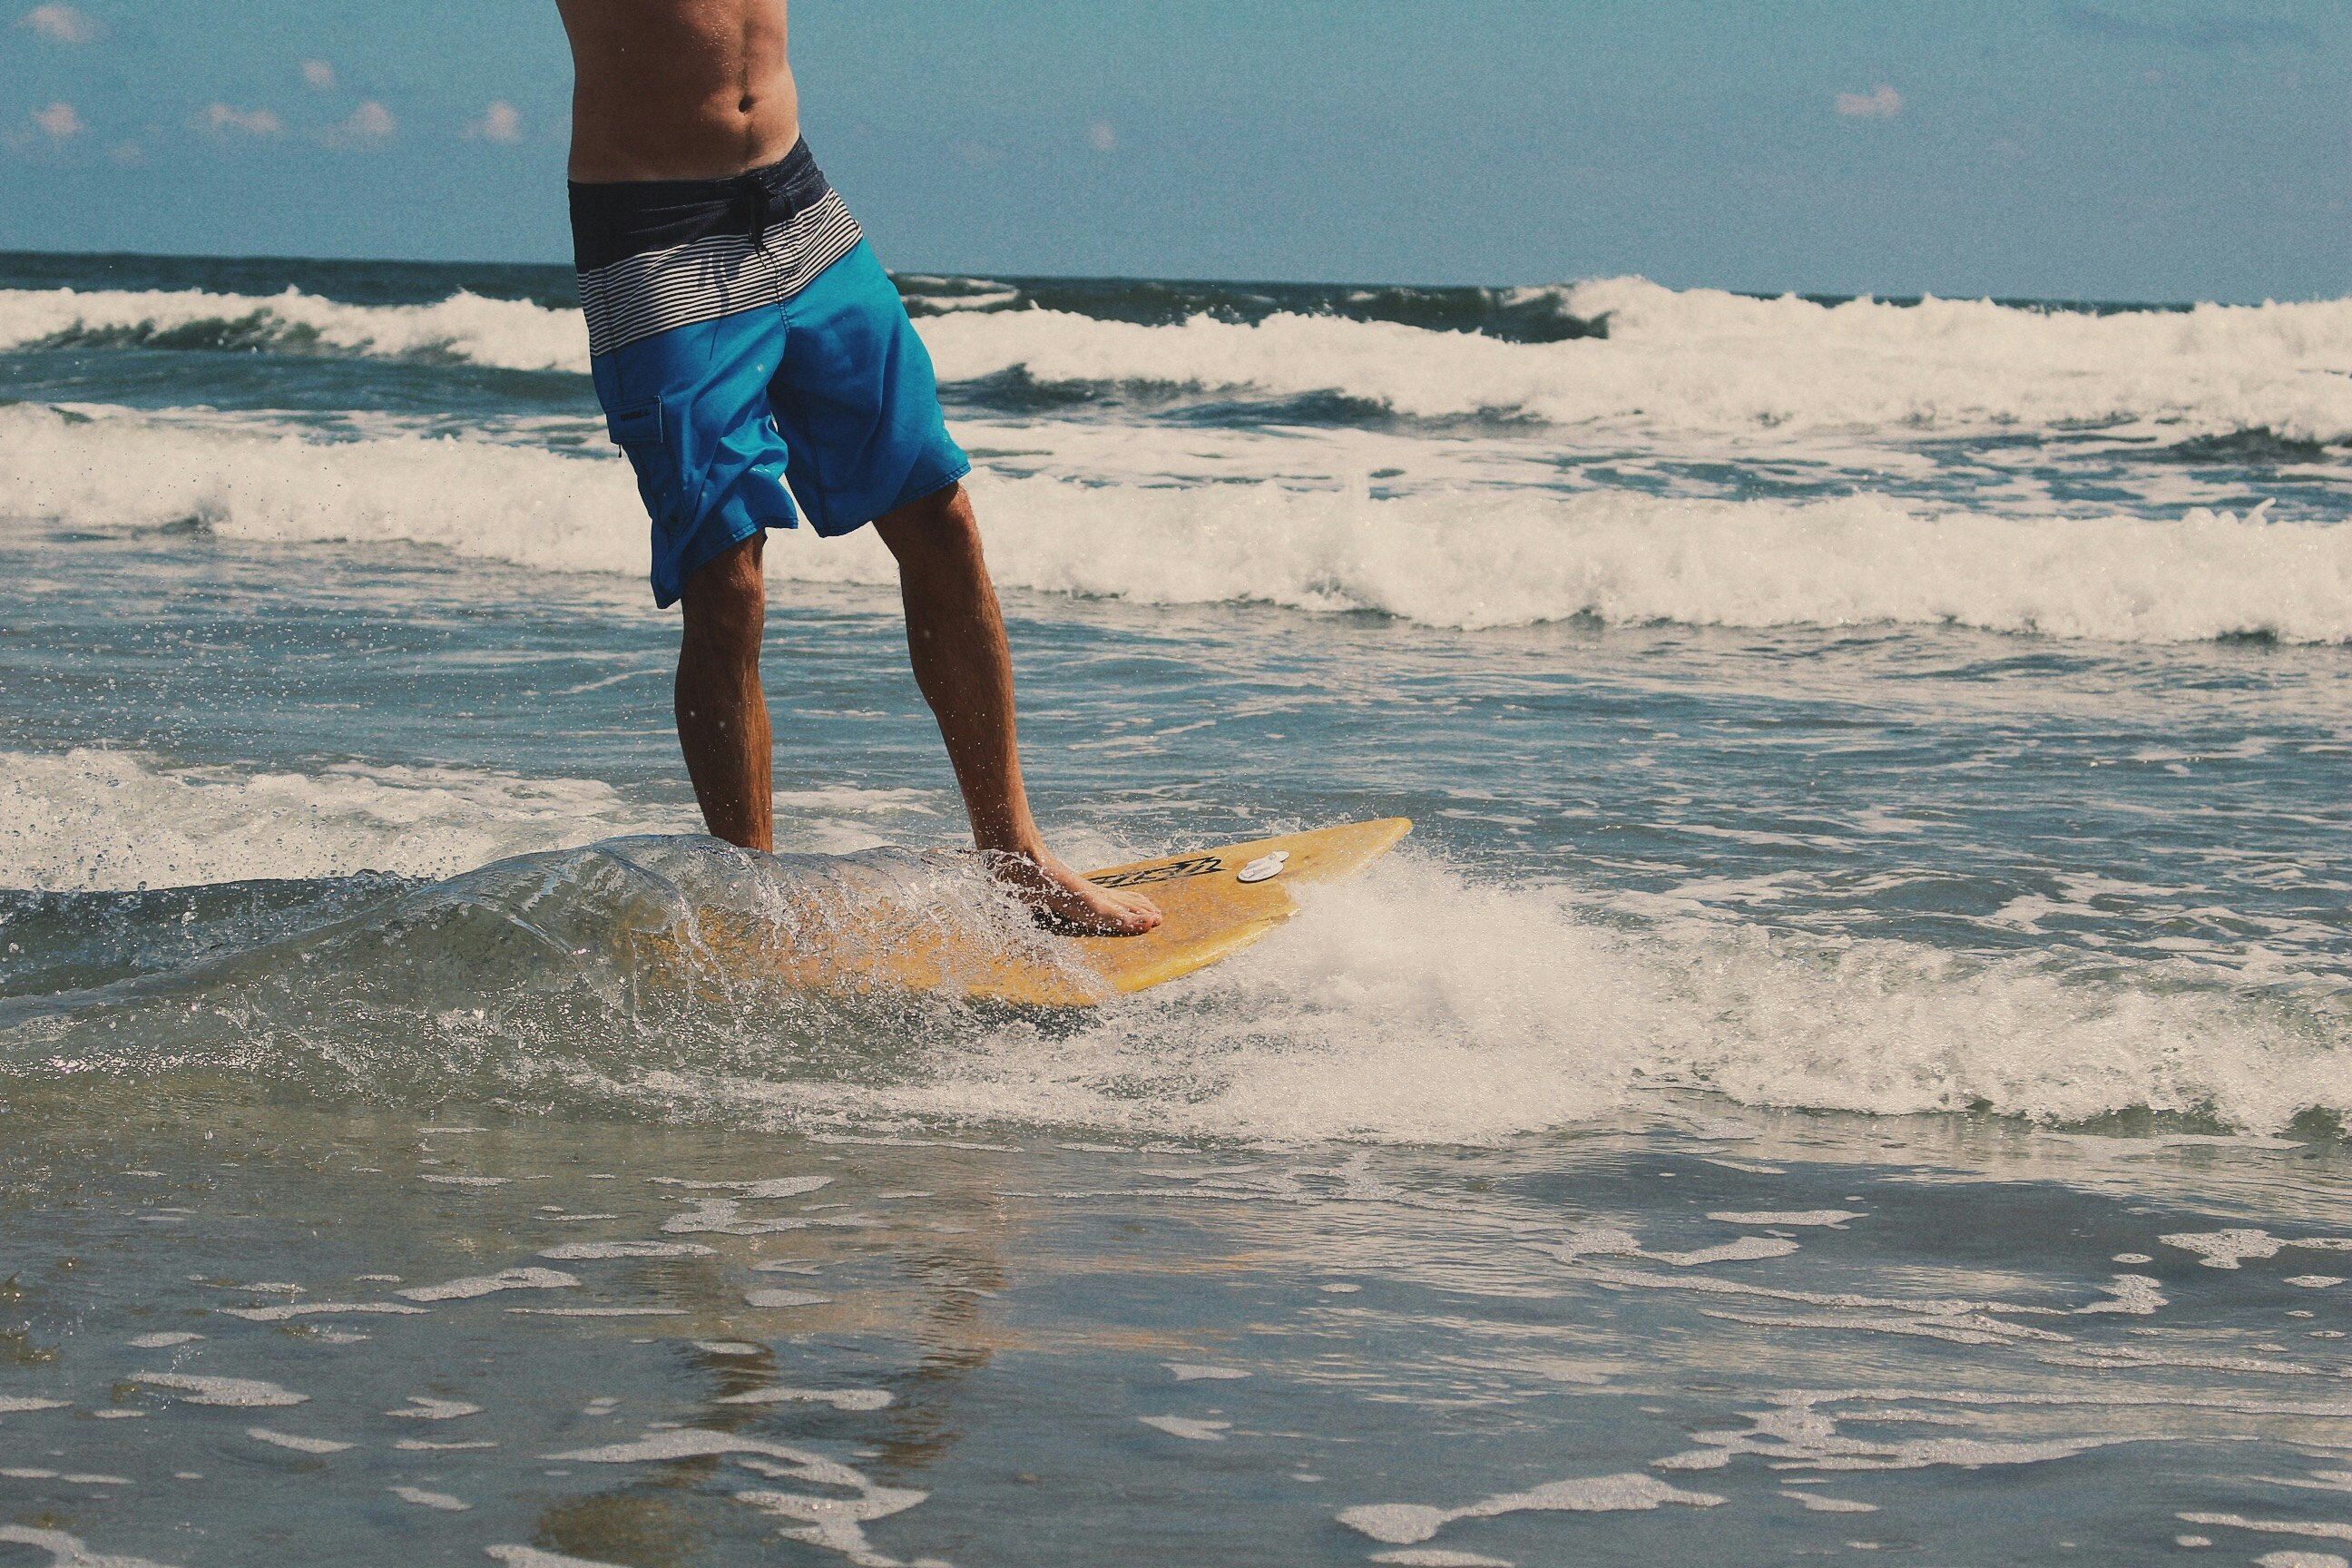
[{"x": 739, "y": 327}]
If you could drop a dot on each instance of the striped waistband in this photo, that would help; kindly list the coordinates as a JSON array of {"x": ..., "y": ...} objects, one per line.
[{"x": 658, "y": 254}]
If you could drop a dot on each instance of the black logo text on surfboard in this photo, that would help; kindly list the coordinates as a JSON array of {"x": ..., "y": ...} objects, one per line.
[{"x": 1173, "y": 871}]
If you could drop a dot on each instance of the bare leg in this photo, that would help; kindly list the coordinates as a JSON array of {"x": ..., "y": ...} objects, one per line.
[
  {"x": 955, "y": 634},
  {"x": 722, "y": 714}
]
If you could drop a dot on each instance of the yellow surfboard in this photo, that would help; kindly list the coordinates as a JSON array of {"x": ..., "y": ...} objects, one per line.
[{"x": 1215, "y": 902}]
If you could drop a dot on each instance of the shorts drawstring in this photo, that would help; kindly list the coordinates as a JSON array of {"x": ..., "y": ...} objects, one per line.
[{"x": 754, "y": 203}]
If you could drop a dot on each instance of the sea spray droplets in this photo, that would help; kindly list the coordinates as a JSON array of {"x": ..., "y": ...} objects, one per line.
[{"x": 1352, "y": 1024}]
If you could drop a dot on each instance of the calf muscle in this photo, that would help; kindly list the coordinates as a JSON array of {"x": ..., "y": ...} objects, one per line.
[{"x": 722, "y": 713}]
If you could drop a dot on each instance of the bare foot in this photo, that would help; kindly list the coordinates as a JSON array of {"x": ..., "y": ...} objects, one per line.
[{"x": 1066, "y": 901}]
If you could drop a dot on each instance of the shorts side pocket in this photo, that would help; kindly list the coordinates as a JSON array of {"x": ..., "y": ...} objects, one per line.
[
  {"x": 638, "y": 429},
  {"x": 638, "y": 425}
]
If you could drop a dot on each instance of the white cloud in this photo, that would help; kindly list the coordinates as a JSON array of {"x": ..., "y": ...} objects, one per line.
[
  {"x": 1101, "y": 137},
  {"x": 501, "y": 121},
  {"x": 371, "y": 122},
  {"x": 60, "y": 120},
  {"x": 125, "y": 153},
  {"x": 221, "y": 119},
  {"x": 1881, "y": 103},
  {"x": 319, "y": 74},
  {"x": 60, "y": 24}
]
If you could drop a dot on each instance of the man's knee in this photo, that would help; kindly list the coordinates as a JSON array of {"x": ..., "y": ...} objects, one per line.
[
  {"x": 941, "y": 527},
  {"x": 725, "y": 599}
]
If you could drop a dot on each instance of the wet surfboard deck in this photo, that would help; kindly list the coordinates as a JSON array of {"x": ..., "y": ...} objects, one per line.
[
  {"x": 1215, "y": 902},
  {"x": 895, "y": 936}
]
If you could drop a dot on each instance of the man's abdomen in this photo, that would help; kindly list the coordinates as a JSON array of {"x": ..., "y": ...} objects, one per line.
[{"x": 678, "y": 89}]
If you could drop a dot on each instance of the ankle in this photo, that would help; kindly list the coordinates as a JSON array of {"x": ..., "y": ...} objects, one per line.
[{"x": 1028, "y": 845}]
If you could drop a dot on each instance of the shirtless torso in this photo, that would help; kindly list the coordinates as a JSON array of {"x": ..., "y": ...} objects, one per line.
[{"x": 678, "y": 89}]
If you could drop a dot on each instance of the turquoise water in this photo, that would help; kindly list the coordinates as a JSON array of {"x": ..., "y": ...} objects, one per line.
[{"x": 1851, "y": 1059}]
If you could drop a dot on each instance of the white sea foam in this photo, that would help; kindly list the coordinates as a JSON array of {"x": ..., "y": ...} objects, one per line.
[
  {"x": 90, "y": 820},
  {"x": 236, "y": 1392},
  {"x": 1408, "y": 1522},
  {"x": 295, "y": 1441},
  {"x": 1693, "y": 360},
  {"x": 2322, "y": 1529},
  {"x": 69, "y": 1551},
  {"x": 845, "y": 1399},
  {"x": 591, "y": 1252},
  {"x": 1415, "y": 1005},
  {"x": 474, "y": 1285},
  {"x": 1704, "y": 360},
  {"x": 513, "y": 334},
  {"x": 424, "y": 1407},
  {"x": 1411, "y": 1005},
  {"x": 1450, "y": 558},
  {"x": 317, "y": 1309},
  {"x": 779, "y": 1299},
  {"x": 533, "y": 1557}
]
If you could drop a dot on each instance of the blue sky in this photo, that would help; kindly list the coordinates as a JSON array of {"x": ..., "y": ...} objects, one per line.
[{"x": 2162, "y": 149}]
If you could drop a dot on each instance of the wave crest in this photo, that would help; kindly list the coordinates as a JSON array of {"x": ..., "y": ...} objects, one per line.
[
  {"x": 513, "y": 335},
  {"x": 1467, "y": 558},
  {"x": 1618, "y": 351},
  {"x": 1411, "y": 1005}
]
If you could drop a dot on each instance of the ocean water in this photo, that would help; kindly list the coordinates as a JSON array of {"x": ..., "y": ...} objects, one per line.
[{"x": 1853, "y": 1060}]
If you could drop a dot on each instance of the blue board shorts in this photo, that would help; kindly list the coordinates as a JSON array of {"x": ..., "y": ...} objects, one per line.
[{"x": 743, "y": 337}]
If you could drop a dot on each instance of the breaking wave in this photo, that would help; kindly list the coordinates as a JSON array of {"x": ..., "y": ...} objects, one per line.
[
  {"x": 1463, "y": 558},
  {"x": 637, "y": 977},
  {"x": 513, "y": 335},
  {"x": 1615, "y": 353}
]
